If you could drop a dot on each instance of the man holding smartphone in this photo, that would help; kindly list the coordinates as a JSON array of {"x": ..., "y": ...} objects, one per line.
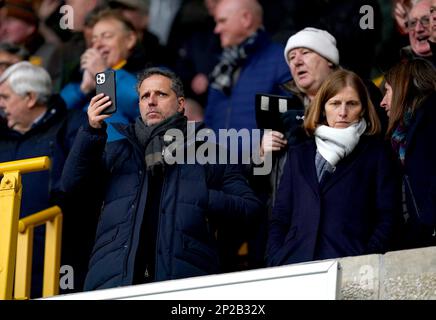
[{"x": 158, "y": 221}]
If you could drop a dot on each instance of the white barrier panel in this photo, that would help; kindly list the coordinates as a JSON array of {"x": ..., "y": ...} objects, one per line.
[{"x": 308, "y": 281}]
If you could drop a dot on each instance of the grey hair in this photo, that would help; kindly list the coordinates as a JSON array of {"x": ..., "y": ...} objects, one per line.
[
  {"x": 176, "y": 83},
  {"x": 24, "y": 77}
]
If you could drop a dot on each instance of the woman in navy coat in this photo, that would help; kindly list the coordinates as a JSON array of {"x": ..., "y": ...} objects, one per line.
[
  {"x": 410, "y": 102},
  {"x": 338, "y": 193}
]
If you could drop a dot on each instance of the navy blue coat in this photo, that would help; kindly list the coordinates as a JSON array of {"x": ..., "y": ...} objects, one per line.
[
  {"x": 52, "y": 136},
  {"x": 263, "y": 72},
  {"x": 420, "y": 179},
  {"x": 352, "y": 212},
  {"x": 194, "y": 198}
]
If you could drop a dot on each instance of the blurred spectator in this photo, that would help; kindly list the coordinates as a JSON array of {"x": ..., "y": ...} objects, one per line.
[
  {"x": 338, "y": 194},
  {"x": 10, "y": 54},
  {"x": 161, "y": 17},
  {"x": 113, "y": 39},
  {"x": 394, "y": 36},
  {"x": 174, "y": 22},
  {"x": 250, "y": 63},
  {"x": 410, "y": 102},
  {"x": 136, "y": 11},
  {"x": 400, "y": 12},
  {"x": 40, "y": 125},
  {"x": 148, "y": 50},
  {"x": 193, "y": 110},
  {"x": 80, "y": 39},
  {"x": 418, "y": 27},
  {"x": 49, "y": 16},
  {"x": 20, "y": 27},
  {"x": 197, "y": 56}
]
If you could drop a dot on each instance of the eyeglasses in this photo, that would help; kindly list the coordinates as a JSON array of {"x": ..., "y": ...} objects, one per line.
[{"x": 425, "y": 21}]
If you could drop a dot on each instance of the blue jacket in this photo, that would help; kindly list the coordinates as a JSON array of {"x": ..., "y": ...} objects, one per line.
[
  {"x": 350, "y": 213},
  {"x": 51, "y": 136},
  {"x": 419, "y": 175},
  {"x": 194, "y": 199},
  {"x": 263, "y": 72},
  {"x": 127, "y": 101}
]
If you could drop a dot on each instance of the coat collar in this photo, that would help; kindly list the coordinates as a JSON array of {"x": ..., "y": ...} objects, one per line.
[{"x": 306, "y": 162}]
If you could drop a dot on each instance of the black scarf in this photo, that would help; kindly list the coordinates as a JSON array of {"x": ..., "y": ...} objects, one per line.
[
  {"x": 151, "y": 139},
  {"x": 231, "y": 60}
]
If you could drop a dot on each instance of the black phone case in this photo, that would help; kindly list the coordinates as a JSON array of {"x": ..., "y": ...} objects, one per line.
[{"x": 105, "y": 83}]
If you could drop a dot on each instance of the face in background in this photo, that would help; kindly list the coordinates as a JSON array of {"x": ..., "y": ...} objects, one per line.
[
  {"x": 231, "y": 23},
  {"x": 112, "y": 40},
  {"x": 157, "y": 101},
  {"x": 15, "y": 30},
  {"x": 419, "y": 28},
  {"x": 387, "y": 99},
  {"x": 308, "y": 69},
  {"x": 433, "y": 21},
  {"x": 343, "y": 109},
  {"x": 15, "y": 108},
  {"x": 211, "y": 6}
]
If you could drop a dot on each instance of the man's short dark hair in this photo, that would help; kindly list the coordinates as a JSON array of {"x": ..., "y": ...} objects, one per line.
[{"x": 176, "y": 83}]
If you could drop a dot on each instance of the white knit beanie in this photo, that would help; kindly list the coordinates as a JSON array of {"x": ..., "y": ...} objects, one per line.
[{"x": 314, "y": 39}]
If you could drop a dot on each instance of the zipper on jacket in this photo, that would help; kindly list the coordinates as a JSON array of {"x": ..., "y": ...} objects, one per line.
[
  {"x": 130, "y": 243},
  {"x": 156, "y": 250},
  {"x": 412, "y": 195}
]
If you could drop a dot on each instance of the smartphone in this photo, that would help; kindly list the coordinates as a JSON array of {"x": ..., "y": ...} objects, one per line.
[{"x": 105, "y": 83}]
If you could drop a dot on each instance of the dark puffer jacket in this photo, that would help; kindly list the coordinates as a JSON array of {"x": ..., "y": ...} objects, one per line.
[
  {"x": 419, "y": 178},
  {"x": 194, "y": 199}
]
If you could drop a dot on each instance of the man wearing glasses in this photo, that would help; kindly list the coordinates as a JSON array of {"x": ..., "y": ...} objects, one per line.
[
  {"x": 432, "y": 40},
  {"x": 418, "y": 27}
]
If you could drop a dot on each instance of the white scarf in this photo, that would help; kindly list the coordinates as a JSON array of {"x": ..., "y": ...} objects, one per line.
[{"x": 336, "y": 143}]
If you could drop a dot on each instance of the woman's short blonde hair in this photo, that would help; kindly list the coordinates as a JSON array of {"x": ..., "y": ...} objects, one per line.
[{"x": 335, "y": 82}]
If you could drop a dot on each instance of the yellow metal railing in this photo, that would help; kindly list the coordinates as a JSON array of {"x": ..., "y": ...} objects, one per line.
[
  {"x": 52, "y": 217},
  {"x": 15, "y": 233}
]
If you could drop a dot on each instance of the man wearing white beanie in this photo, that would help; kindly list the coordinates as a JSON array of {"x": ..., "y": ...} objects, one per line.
[{"x": 311, "y": 55}]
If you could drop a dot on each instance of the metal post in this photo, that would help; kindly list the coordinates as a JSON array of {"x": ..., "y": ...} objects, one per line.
[
  {"x": 23, "y": 267},
  {"x": 10, "y": 201},
  {"x": 52, "y": 258}
]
